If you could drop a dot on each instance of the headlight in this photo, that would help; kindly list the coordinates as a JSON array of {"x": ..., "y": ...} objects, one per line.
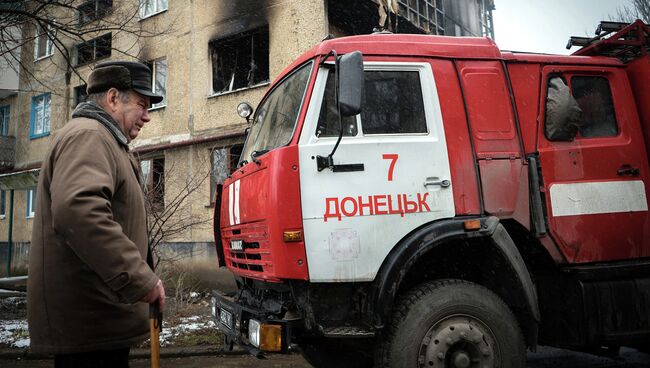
[{"x": 254, "y": 332}]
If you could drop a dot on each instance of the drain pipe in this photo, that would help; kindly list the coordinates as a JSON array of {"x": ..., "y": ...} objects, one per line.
[{"x": 10, "y": 230}]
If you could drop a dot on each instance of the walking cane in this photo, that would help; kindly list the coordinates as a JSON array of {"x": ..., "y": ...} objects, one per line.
[{"x": 155, "y": 327}]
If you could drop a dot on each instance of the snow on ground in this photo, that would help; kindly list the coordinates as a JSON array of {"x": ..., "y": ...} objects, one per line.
[
  {"x": 14, "y": 333},
  {"x": 185, "y": 326}
]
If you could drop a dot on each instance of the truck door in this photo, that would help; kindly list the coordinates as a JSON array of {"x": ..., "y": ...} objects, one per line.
[
  {"x": 593, "y": 164},
  {"x": 393, "y": 172}
]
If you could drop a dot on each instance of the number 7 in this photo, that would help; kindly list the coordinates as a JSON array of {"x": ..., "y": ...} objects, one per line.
[{"x": 393, "y": 157}]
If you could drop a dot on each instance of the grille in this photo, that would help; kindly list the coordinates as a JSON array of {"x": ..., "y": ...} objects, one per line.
[{"x": 254, "y": 257}]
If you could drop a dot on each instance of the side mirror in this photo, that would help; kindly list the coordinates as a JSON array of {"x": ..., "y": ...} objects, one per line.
[{"x": 351, "y": 83}]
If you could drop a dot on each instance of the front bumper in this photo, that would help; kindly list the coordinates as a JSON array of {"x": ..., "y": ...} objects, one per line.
[{"x": 233, "y": 319}]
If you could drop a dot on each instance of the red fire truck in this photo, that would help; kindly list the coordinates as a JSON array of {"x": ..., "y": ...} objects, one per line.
[{"x": 415, "y": 200}]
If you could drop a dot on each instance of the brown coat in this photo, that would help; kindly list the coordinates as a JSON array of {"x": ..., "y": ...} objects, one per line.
[{"x": 87, "y": 267}]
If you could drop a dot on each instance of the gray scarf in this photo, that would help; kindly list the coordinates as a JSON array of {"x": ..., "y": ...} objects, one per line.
[{"x": 92, "y": 110}]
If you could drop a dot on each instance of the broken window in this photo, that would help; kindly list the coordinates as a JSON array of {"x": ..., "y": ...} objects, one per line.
[
  {"x": 428, "y": 15},
  {"x": 93, "y": 9},
  {"x": 80, "y": 94},
  {"x": 97, "y": 48},
  {"x": 224, "y": 162},
  {"x": 153, "y": 175},
  {"x": 240, "y": 61}
]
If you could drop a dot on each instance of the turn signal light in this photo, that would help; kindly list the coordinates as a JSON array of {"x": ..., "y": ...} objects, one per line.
[
  {"x": 265, "y": 337},
  {"x": 292, "y": 236},
  {"x": 471, "y": 225}
]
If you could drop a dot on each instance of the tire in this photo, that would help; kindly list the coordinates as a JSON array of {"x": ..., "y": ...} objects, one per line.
[
  {"x": 451, "y": 324},
  {"x": 338, "y": 353}
]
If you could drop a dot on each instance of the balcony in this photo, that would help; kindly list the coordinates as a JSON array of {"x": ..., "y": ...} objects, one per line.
[{"x": 7, "y": 152}]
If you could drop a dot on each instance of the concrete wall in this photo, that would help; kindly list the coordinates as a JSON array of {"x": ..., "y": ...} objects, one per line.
[{"x": 182, "y": 35}]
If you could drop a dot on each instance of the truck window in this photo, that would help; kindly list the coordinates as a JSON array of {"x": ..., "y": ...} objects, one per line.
[
  {"x": 328, "y": 121},
  {"x": 562, "y": 112},
  {"x": 392, "y": 104},
  {"x": 277, "y": 114},
  {"x": 595, "y": 99}
]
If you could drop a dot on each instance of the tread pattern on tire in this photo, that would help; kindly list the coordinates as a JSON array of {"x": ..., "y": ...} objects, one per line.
[{"x": 406, "y": 302}]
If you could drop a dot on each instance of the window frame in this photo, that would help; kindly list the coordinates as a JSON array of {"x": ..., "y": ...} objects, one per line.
[
  {"x": 32, "y": 117},
  {"x": 617, "y": 125},
  {"x": 153, "y": 65},
  {"x": 233, "y": 160},
  {"x": 567, "y": 77},
  {"x": 5, "y": 118},
  {"x": 156, "y": 200},
  {"x": 30, "y": 203},
  {"x": 235, "y": 38},
  {"x": 416, "y": 16},
  {"x": 77, "y": 95},
  {"x": 99, "y": 10},
  {"x": 106, "y": 36},
  {"x": 142, "y": 13},
  {"x": 3, "y": 204},
  {"x": 49, "y": 44},
  {"x": 377, "y": 66}
]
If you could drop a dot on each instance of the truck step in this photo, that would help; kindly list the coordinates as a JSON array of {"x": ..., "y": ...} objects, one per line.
[{"x": 348, "y": 331}]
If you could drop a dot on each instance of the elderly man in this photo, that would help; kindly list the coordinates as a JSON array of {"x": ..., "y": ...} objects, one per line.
[{"x": 89, "y": 280}]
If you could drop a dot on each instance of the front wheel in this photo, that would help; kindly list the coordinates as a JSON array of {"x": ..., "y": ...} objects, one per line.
[{"x": 452, "y": 324}]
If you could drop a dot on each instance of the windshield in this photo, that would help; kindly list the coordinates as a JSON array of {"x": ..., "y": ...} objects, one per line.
[{"x": 277, "y": 115}]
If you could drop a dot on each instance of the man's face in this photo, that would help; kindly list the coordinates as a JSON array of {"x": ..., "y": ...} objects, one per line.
[{"x": 133, "y": 114}]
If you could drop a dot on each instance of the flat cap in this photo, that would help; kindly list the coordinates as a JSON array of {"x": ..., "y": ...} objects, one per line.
[{"x": 122, "y": 75}]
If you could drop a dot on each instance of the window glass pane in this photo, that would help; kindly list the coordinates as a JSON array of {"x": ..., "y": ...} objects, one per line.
[
  {"x": 161, "y": 5},
  {"x": 328, "y": 121},
  {"x": 2, "y": 202},
  {"x": 145, "y": 167},
  {"x": 219, "y": 165},
  {"x": 38, "y": 115},
  {"x": 160, "y": 80},
  {"x": 4, "y": 120},
  {"x": 47, "y": 111},
  {"x": 392, "y": 103},
  {"x": 595, "y": 99},
  {"x": 277, "y": 115},
  {"x": 147, "y": 7},
  {"x": 103, "y": 46}
]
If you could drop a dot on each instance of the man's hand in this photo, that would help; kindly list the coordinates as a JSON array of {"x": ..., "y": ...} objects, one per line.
[{"x": 157, "y": 293}]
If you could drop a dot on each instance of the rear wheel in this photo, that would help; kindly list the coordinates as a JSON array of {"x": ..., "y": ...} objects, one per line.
[{"x": 452, "y": 324}]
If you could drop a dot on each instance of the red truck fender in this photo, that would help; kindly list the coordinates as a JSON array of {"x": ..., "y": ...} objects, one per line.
[{"x": 521, "y": 293}]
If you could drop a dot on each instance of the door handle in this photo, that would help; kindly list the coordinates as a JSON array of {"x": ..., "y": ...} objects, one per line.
[
  {"x": 436, "y": 181},
  {"x": 627, "y": 170}
]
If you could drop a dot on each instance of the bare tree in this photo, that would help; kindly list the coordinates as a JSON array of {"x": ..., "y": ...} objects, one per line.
[
  {"x": 168, "y": 201},
  {"x": 635, "y": 9},
  {"x": 64, "y": 25}
]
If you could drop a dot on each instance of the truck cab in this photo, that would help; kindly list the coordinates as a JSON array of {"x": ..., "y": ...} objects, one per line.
[{"x": 396, "y": 191}]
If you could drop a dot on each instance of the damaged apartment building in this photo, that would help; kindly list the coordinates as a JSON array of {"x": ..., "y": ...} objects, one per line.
[{"x": 206, "y": 57}]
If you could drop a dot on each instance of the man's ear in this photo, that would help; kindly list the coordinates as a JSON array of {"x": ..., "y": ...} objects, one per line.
[{"x": 112, "y": 99}]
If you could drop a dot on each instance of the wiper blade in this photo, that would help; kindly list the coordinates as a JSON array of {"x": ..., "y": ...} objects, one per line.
[{"x": 254, "y": 154}]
